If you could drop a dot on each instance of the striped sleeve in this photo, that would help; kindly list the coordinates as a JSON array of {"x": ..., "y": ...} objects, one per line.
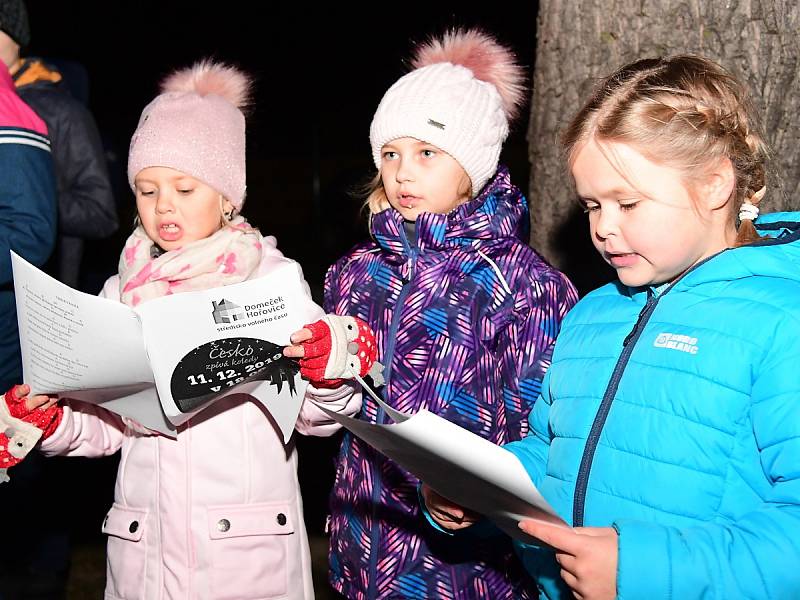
[{"x": 27, "y": 198}]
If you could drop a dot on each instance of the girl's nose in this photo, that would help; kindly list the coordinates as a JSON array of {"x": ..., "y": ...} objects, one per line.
[
  {"x": 164, "y": 204},
  {"x": 404, "y": 171},
  {"x": 605, "y": 224}
]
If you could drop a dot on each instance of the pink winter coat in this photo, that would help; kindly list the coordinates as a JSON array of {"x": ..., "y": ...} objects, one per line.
[{"x": 215, "y": 514}]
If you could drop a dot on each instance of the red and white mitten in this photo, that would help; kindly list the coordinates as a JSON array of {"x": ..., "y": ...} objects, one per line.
[
  {"x": 21, "y": 429},
  {"x": 340, "y": 348}
]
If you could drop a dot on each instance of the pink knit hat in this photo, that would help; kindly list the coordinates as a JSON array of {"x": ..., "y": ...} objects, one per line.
[{"x": 196, "y": 126}]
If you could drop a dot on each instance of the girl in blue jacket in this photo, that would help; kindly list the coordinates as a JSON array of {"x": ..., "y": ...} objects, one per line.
[{"x": 667, "y": 432}]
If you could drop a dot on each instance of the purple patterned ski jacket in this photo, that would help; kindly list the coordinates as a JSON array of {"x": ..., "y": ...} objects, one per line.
[{"x": 465, "y": 320}]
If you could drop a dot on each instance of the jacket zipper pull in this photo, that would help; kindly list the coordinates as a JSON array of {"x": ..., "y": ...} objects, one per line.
[{"x": 650, "y": 300}]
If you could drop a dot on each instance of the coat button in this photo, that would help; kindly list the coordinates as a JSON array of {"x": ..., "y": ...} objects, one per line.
[
  {"x": 281, "y": 519},
  {"x": 223, "y": 525},
  {"x": 133, "y": 526}
]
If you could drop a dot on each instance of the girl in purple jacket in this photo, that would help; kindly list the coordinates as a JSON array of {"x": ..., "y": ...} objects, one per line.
[{"x": 464, "y": 311}]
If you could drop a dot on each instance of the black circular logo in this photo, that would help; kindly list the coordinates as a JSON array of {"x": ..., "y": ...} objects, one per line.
[{"x": 215, "y": 367}]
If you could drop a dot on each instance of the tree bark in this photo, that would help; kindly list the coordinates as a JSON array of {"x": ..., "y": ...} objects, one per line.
[{"x": 579, "y": 42}]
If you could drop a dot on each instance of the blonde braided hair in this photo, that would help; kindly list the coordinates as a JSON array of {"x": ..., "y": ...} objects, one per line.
[{"x": 684, "y": 111}]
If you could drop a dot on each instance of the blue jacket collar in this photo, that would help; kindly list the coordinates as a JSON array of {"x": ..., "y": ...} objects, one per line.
[{"x": 776, "y": 255}]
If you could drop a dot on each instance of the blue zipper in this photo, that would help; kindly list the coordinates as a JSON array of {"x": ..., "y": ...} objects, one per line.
[
  {"x": 376, "y": 474},
  {"x": 582, "y": 483},
  {"x": 585, "y": 469}
]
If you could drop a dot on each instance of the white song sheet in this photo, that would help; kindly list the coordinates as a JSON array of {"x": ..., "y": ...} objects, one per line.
[
  {"x": 167, "y": 359},
  {"x": 459, "y": 465}
]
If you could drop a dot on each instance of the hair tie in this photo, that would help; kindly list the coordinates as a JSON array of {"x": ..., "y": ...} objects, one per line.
[{"x": 748, "y": 211}]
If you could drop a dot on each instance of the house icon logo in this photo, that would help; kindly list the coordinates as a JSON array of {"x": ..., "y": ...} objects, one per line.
[{"x": 226, "y": 311}]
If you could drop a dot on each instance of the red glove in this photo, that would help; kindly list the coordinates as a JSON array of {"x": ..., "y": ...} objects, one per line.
[
  {"x": 339, "y": 348},
  {"x": 21, "y": 429}
]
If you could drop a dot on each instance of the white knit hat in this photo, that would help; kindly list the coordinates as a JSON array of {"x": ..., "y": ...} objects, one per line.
[{"x": 461, "y": 96}]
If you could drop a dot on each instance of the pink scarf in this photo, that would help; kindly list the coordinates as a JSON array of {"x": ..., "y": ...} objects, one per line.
[{"x": 231, "y": 255}]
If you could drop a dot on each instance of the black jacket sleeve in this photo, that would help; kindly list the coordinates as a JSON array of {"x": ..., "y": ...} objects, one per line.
[{"x": 86, "y": 206}]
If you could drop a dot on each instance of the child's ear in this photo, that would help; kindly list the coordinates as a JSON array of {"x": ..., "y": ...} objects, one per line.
[
  {"x": 718, "y": 184},
  {"x": 227, "y": 208}
]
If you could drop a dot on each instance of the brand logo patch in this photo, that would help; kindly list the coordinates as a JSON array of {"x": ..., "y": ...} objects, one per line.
[{"x": 674, "y": 341}]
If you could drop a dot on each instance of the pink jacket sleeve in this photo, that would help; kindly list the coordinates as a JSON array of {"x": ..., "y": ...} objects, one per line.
[
  {"x": 85, "y": 429},
  {"x": 346, "y": 400}
]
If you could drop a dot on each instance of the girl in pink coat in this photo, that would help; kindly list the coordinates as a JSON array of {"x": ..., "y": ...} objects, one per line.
[{"x": 215, "y": 513}]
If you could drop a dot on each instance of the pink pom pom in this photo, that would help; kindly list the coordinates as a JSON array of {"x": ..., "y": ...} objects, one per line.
[
  {"x": 208, "y": 77},
  {"x": 484, "y": 56}
]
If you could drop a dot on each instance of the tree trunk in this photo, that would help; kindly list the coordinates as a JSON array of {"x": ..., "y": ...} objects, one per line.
[{"x": 579, "y": 42}]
